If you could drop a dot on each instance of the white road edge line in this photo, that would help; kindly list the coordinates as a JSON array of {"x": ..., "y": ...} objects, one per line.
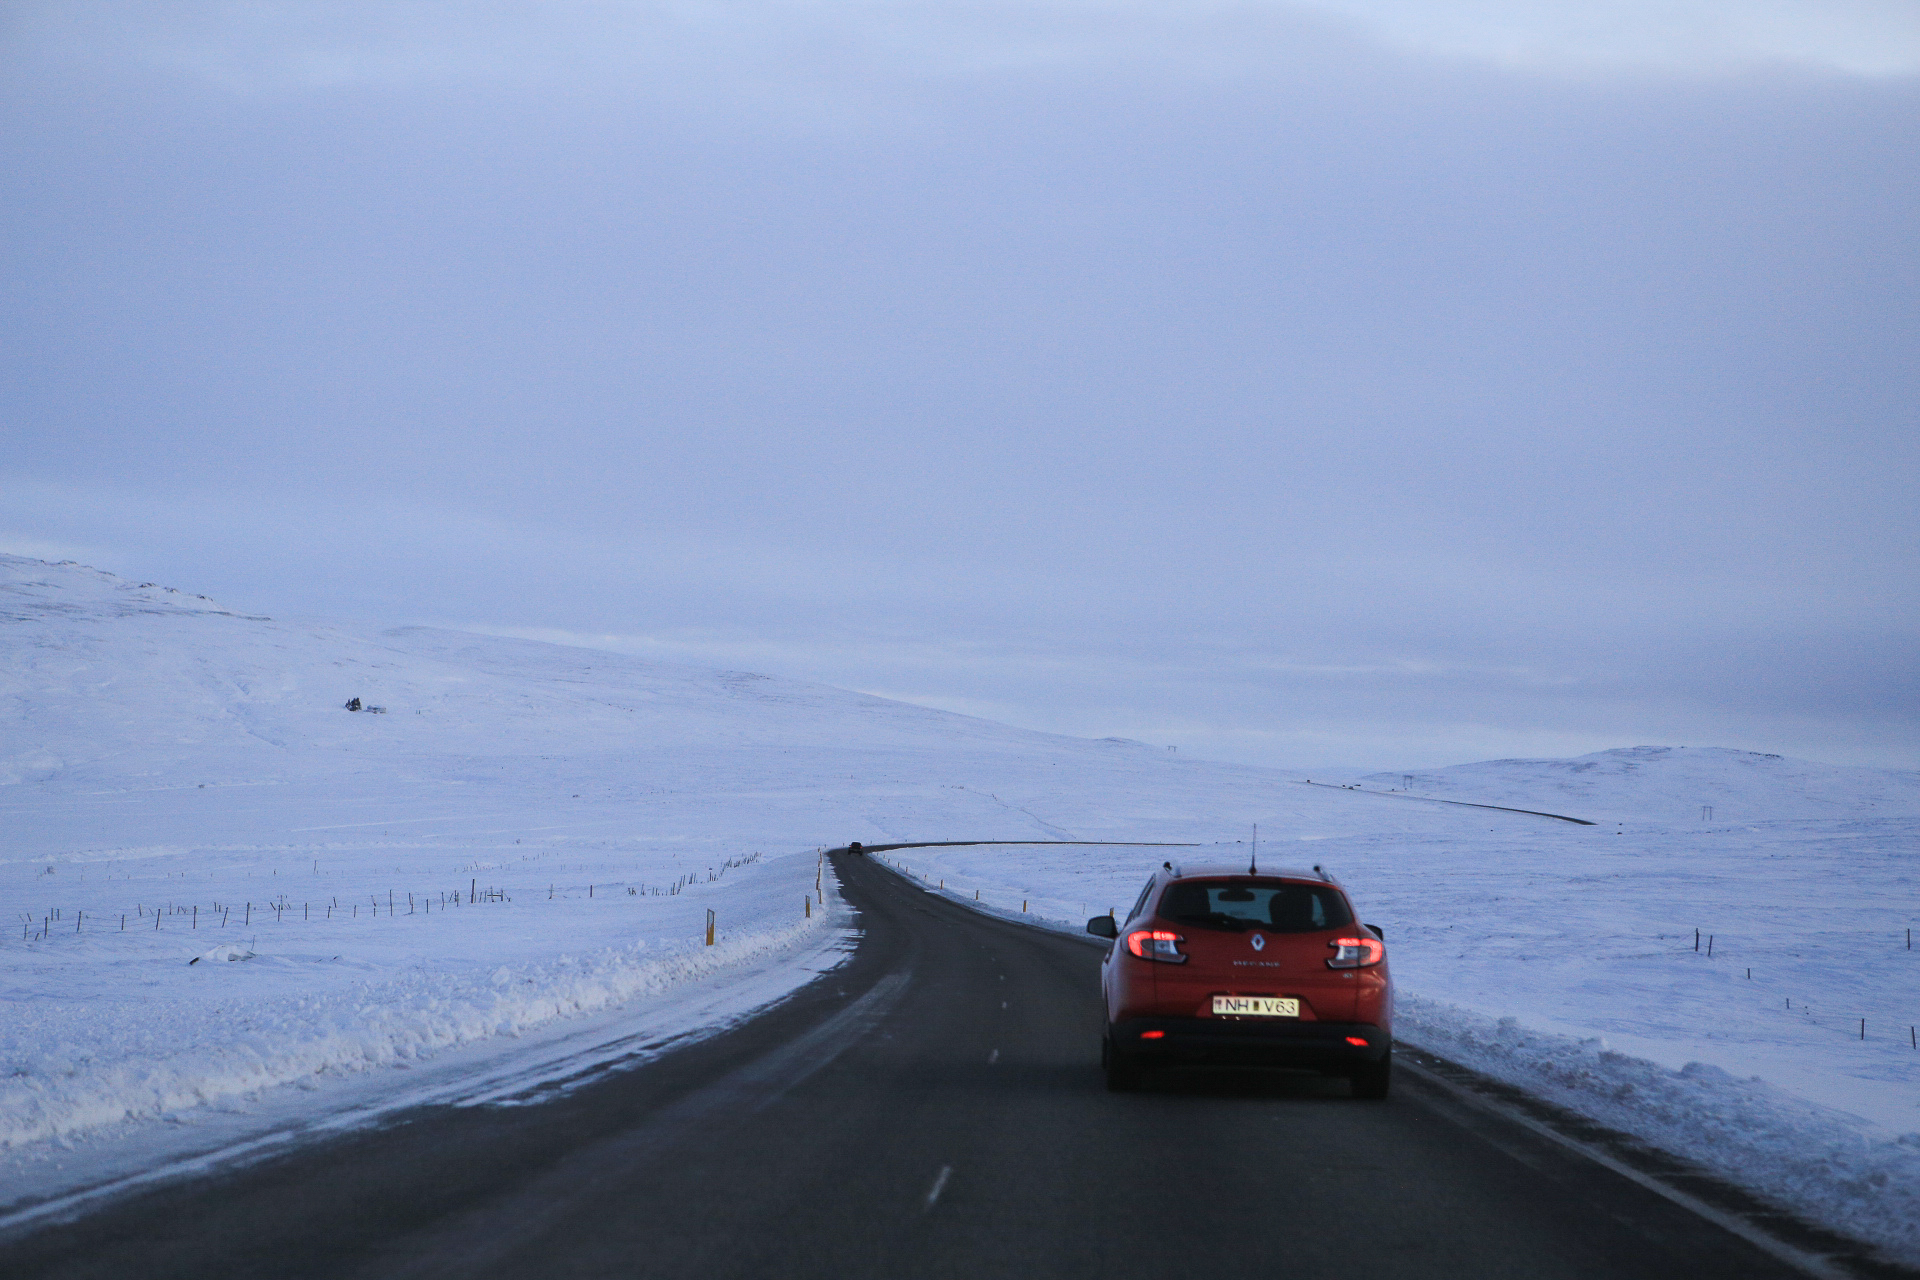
[
  {"x": 1812, "y": 1263},
  {"x": 993, "y": 1057},
  {"x": 939, "y": 1185}
]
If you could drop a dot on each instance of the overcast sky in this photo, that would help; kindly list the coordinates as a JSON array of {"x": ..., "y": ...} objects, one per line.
[{"x": 1368, "y": 382}]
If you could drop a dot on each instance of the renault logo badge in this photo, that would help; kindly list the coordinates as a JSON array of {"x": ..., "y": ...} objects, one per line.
[{"x": 1259, "y": 943}]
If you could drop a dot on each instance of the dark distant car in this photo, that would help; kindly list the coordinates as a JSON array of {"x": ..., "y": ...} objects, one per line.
[{"x": 1220, "y": 965}]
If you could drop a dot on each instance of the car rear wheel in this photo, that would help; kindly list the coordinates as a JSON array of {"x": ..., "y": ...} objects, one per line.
[
  {"x": 1123, "y": 1074},
  {"x": 1374, "y": 1079}
]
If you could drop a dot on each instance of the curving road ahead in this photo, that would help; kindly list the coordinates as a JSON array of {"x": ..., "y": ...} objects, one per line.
[{"x": 932, "y": 1108}]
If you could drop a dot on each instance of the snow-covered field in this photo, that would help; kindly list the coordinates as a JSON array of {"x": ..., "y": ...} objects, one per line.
[{"x": 158, "y": 753}]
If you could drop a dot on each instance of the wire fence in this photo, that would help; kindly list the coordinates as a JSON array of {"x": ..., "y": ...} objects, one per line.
[
  {"x": 1850, "y": 1021},
  {"x": 52, "y": 924}
]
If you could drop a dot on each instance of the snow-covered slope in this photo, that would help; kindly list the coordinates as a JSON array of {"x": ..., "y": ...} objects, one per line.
[
  {"x": 111, "y": 678},
  {"x": 1671, "y": 784},
  {"x": 161, "y": 754}
]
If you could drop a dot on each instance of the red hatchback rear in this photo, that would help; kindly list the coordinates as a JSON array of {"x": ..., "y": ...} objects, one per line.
[{"x": 1218, "y": 965}]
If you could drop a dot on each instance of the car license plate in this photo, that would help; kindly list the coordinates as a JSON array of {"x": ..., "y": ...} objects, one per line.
[{"x": 1257, "y": 1006}]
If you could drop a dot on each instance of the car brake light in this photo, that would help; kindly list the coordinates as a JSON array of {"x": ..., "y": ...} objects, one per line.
[
  {"x": 1359, "y": 1040},
  {"x": 1157, "y": 944},
  {"x": 1356, "y": 953},
  {"x": 1153, "y": 1035}
]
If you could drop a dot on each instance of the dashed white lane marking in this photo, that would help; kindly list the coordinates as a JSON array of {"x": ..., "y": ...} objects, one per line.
[
  {"x": 1003, "y": 1004},
  {"x": 993, "y": 1057},
  {"x": 939, "y": 1184}
]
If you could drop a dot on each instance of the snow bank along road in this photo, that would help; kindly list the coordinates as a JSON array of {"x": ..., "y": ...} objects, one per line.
[{"x": 931, "y": 1108}]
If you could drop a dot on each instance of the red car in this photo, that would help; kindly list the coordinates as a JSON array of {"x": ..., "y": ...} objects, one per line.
[{"x": 1223, "y": 965}]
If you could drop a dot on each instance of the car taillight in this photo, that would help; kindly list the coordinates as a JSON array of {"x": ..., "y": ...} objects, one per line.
[
  {"x": 1355, "y": 953},
  {"x": 1157, "y": 944}
]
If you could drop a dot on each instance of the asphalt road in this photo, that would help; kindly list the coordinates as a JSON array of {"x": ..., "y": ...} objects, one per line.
[{"x": 932, "y": 1108}]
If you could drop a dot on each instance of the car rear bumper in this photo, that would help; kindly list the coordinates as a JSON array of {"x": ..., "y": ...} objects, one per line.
[{"x": 1245, "y": 1042}]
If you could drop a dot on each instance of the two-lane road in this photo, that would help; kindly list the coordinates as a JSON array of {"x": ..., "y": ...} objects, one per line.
[{"x": 931, "y": 1108}]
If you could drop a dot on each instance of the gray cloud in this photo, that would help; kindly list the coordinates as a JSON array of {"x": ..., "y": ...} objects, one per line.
[{"x": 1280, "y": 382}]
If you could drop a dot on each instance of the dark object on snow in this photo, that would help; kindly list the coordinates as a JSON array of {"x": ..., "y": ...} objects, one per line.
[
  {"x": 353, "y": 704},
  {"x": 379, "y": 711}
]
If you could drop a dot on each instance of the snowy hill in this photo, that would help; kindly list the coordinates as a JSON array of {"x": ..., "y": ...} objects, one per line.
[
  {"x": 100, "y": 667},
  {"x": 117, "y": 685},
  {"x": 1671, "y": 784}
]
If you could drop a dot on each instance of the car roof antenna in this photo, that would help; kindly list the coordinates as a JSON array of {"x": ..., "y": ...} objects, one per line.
[{"x": 1253, "y": 863}]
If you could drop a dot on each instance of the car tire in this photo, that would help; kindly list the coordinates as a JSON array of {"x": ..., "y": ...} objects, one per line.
[
  {"x": 1375, "y": 1079},
  {"x": 1123, "y": 1074}
]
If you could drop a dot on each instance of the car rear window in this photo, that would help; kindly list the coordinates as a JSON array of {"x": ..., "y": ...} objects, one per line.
[{"x": 1238, "y": 904}]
